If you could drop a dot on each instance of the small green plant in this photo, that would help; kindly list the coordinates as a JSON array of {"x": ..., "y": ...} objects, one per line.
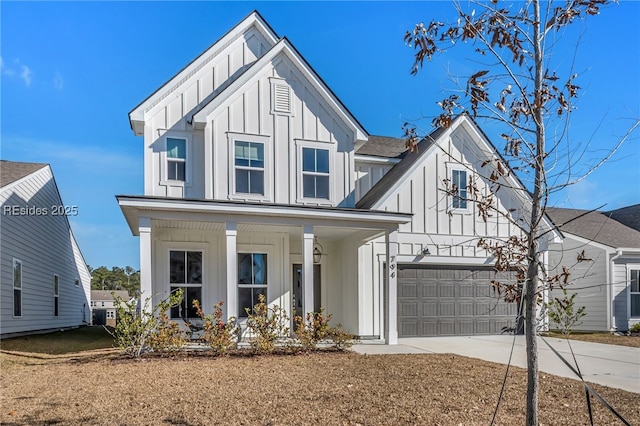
[
  {"x": 267, "y": 325},
  {"x": 563, "y": 312},
  {"x": 167, "y": 335},
  {"x": 220, "y": 336},
  {"x": 313, "y": 329},
  {"x": 340, "y": 338},
  {"x": 635, "y": 328},
  {"x": 137, "y": 332}
]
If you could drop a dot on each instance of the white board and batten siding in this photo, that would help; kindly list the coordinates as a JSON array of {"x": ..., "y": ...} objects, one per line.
[
  {"x": 170, "y": 115},
  {"x": 44, "y": 244}
]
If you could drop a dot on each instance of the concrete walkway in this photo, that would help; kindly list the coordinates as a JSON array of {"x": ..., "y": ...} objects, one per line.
[{"x": 608, "y": 365}]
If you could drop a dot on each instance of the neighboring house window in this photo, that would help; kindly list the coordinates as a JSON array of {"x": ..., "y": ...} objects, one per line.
[
  {"x": 102, "y": 304},
  {"x": 17, "y": 288},
  {"x": 249, "y": 167},
  {"x": 634, "y": 287},
  {"x": 77, "y": 282},
  {"x": 459, "y": 183},
  {"x": 111, "y": 314},
  {"x": 252, "y": 280},
  {"x": 315, "y": 173},
  {"x": 56, "y": 298},
  {"x": 185, "y": 272},
  {"x": 176, "y": 159}
]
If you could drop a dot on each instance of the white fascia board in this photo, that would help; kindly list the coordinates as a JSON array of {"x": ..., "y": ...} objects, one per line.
[
  {"x": 200, "y": 118},
  {"x": 375, "y": 160},
  {"x": 273, "y": 214},
  {"x": 137, "y": 115}
]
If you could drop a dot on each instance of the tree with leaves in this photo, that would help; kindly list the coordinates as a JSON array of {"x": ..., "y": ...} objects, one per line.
[
  {"x": 116, "y": 278},
  {"x": 524, "y": 87}
]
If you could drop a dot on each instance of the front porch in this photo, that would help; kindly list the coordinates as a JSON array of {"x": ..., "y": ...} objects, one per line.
[{"x": 301, "y": 258}]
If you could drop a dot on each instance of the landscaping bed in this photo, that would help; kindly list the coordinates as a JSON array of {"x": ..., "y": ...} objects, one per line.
[
  {"x": 605, "y": 338},
  {"x": 317, "y": 388}
]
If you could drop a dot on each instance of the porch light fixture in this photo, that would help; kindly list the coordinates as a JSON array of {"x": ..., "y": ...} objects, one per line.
[
  {"x": 317, "y": 250},
  {"x": 425, "y": 251}
]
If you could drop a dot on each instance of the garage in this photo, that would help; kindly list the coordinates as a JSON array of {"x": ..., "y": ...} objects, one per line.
[{"x": 450, "y": 301}]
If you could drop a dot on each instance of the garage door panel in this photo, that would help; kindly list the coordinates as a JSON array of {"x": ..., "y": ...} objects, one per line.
[{"x": 445, "y": 301}]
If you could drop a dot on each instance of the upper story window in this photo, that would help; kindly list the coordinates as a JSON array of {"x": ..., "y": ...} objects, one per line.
[
  {"x": 315, "y": 173},
  {"x": 17, "y": 288},
  {"x": 459, "y": 184},
  {"x": 177, "y": 159},
  {"x": 249, "y": 167}
]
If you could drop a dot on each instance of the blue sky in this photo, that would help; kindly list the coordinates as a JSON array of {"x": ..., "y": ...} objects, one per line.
[{"x": 71, "y": 72}]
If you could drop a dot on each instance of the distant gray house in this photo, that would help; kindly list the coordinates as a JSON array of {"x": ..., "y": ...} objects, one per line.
[
  {"x": 607, "y": 281},
  {"x": 104, "y": 308},
  {"x": 45, "y": 280}
]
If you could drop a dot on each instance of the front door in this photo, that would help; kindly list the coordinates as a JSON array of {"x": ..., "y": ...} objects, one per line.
[{"x": 297, "y": 289}]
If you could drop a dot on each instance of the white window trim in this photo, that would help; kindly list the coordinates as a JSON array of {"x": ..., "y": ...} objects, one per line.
[
  {"x": 274, "y": 82},
  {"x": 268, "y": 170},
  {"x": 56, "y": 294},
  {"x": 165, "y": 286},
  {"x": 188, "y": 166},
  {"x": 329, "y": 146},
  {"x": 631, "y": 267},
  {"x": 450, "y": 168},
  {"x": 13, "y": 263},
  {"x": 271, "y": 264}
]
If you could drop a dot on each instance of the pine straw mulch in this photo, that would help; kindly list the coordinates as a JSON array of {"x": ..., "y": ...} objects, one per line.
[{"x": 102, "y": 387}]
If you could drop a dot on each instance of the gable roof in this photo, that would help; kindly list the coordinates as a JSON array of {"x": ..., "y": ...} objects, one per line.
[
  {"x": 595, "y": 226},
  {"x": 11, "y": 171},
  {"x": 283, "y": 46},
  {"x": 106, "y": 295},
  {"x": 629, "y": 216},
  {"x": 253, "y": 19}
]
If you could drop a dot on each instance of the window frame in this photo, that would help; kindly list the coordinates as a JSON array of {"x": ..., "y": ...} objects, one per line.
[
  {"x": 56, "y": 295},
  {"x": 631, "y": 269},
  {"x": 266, "y": 169},
  {"x": 186, "y": 285},
  {"x": 17, "y": 289},
  {"x": 301, "y": 144},
  {"x": 188, "y": 163},
  {"x": 453, "y": 168},
  {"x": 241, "y": 312}
]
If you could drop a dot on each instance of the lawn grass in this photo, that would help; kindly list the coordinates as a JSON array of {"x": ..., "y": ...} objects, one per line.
[
  {"x": 61, "y": 342},
  {"x": 606, "y": 338}
]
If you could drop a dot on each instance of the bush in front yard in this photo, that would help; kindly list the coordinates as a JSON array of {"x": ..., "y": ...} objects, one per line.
[
  {"x": 220, "y": 336},
  {"x": 266, "y": 325},
  {"x": 313, "y": 329}
]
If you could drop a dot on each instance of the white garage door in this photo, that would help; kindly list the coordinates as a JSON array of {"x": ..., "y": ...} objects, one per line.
[{"x": 450, "y": 301}]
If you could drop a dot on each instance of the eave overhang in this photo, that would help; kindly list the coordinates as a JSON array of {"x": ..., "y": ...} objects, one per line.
[{"x": 135, "y": 207}]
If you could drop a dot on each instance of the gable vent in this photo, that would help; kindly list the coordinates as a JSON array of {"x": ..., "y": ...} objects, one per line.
[{"x": 281, "y": 98}]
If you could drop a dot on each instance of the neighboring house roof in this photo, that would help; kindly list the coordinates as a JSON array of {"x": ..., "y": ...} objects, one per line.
[
  {"x": 629, "y": 216},
  {"x": 595, "y": 226},
  {"x": 11, "y": 171},
  {"x": 105, "y": 295},
  {"x": 383, "y": 146}
]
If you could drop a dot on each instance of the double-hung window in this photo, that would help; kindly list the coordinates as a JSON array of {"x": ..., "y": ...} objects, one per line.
[
  {"x": 249, "y": 167},
  {"x": 634, "y": 292},
  {"x": 315, "y": 173},
  {"x": 176, "y": 159},
  {"x": 185, "y": 273},
  {"x": 252, "y": 280},
  {"x": 56, "y": 294},
  {"x": 17, "y": 288},
  {"x": 459, "y": 184}
]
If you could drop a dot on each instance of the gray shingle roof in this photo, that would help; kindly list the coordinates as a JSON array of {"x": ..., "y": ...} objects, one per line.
[
  {"x": 11, "y": 171},
  {"x": 629, "y": 216},
  {"x": 595, "y": 226},
  {"x": 383, "y": 146},
  {"x": 106, "y": 295}
]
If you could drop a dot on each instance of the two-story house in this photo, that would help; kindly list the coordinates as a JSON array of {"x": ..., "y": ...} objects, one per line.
[{"x": 258, "y": 180}]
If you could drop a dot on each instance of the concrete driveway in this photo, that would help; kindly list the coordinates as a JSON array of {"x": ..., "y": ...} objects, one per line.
[{"x": 609, "y": 365}]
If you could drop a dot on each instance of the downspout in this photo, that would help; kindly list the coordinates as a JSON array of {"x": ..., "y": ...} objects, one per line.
[{"x": 611, "y": 317}]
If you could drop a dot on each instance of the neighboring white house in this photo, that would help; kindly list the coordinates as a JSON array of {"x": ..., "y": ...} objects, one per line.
[
  {"x": 258, "y": 180},
  {"x": 104, "y": 310},
  {"x": 45, "y": 280},
  {"x": 607, "y": 280}
]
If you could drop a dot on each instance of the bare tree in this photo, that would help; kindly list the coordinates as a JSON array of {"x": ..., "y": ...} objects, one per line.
[{"x": 521, "y": 87}]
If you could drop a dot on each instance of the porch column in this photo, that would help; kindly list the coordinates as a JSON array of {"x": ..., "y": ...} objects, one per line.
[
  {"x": 146, "y": 290},
  {"x": 307, "y": 269},
  {"x": 231, "y": 235},
  {"x": 391, "y": 289}
]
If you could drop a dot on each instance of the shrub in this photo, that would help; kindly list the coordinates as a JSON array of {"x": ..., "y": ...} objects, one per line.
[
  {"x": 635, "y": 328},
  {"x": 220, "y": 336},
  {"x": 313, "y": 329},
  {"x": 564, "y": 313},
  {"x": 340, "y": 338},
  {"x": 147, "y": 329},
  {"x": 267, "y": 325}
]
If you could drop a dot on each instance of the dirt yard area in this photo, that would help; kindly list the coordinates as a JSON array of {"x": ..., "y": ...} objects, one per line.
[
  {"x": 99, "y": 387},
  {"x": 606, "y": 338}
]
